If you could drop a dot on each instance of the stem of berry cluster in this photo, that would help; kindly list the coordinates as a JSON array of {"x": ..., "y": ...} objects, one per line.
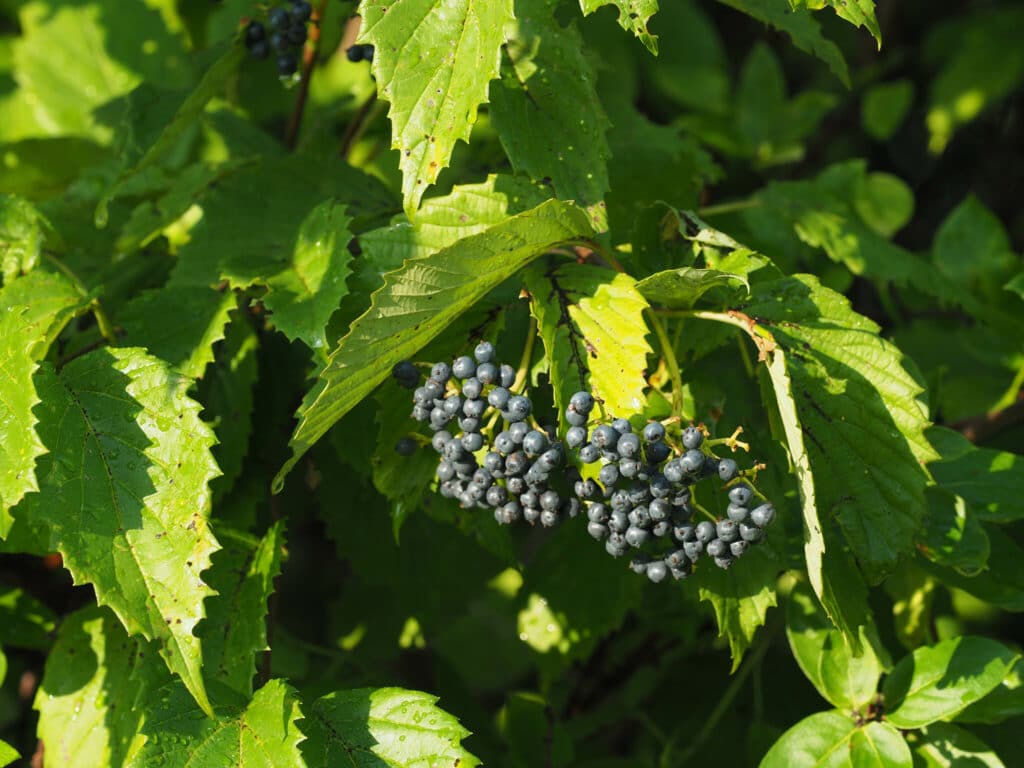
[
  {"x": 668, "y": 354},
  {"x": 524, "y": 363},
  {"x": 309, "y": 54}
]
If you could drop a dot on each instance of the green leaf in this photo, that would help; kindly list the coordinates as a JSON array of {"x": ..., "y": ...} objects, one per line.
[
  {"x": 8, "y": 754},
  {"x": 836, "y": 581},
  {"x": 417, "y": 302},
  {"x": 179, "y": 324},
  {"x": 263, "y": 735},
  {"x": 860, "y": 13},
  {"x": 99, "y": 60},
  {"x": 885, "y": 106},
  {"x": 1004, "y": 702},
  {"x": 991, "y": 481},
  {"x": 94, "y": 691},
  {"x": 936, "y": 682},
  {"x": 21, "y": 237},
  {"x": 633, "y": 17},
  {"x": 847, "y": 682},
  {"x": 591, "y": 322},
  {"x": 303, "y": 297},
  {"x": 469, "y": 210},
  {"x": 972, "y": 244},
  {"x": 833, "y": 740},
  {"x": 24, "y": 621},
  {"x": 226, "y": 392},
  {"x": 212, "y": 84},
  {"x": 378, "y": 727},
  {"x": 860, "y": 411},
  {"x": 952, "y": 535},
  {"x": 943, "y": 745},
  {"x": 979, "y": 63},
  {"x": 1016, "y": 284},
  {"x": 546, "y": 110},
  {"x": 884, "y": 202},
  {"x": 741, "y": 598},
  {"x": 124, "y": 492},
  {"x": 433, "y": 63},
  {"x": 33, "y": 311},
  {"x": 1001, "y": 583},
  {"x": 402, "y": 480},
  {"x": 235, "y": 629},
  {"x": 680, "y": 288},
  {"x": 801, "y": 27}
]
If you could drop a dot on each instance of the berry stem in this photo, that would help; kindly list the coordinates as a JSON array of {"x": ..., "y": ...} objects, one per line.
[
  {"x": 358, "y": 124},
  {"x": 669, "y": 356},
  {"x": 106, "y": 327},
  {"x": 309, "y": 53},
  {"x": 730, "y": 206},
  {"x": 524, "y": 362},
  {"x": 732, "y": 442}
]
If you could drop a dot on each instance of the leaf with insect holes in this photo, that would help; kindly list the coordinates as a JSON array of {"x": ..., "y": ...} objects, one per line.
[
  {"x": 124, "y": 489},
  {"x": 591, "y": 322},
  {"x": 633, "y": 17},
  {"x": 433, "y": 62}
]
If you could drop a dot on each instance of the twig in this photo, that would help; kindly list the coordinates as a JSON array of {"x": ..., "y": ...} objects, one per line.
[
  {"x": 357, "y": 125},
  {"x": 725, "y": 703},
  {"x": 309, "y": 53},
  {"x": 980, "y": 428},
  {"x": 265, "y": 662}
]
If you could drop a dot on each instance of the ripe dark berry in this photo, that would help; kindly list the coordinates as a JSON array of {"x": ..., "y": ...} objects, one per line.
[
  {"x": 741, "y": 495},
  {"x": 724, "y": 562},
  {"x": 297, "y": 34},
  {"x": 597, "y": 530},
  {"x": 519, "y": 407},
  {"x": 762, "y": 516},
  {"x": 737, "y": 548},
  {"x": 692, "y": 461},
  {"x": 659, "y": 510},
  {"x": 464, "y": 367},
  {"x": 575, "y": 419},
  {"x": 515, "y": 485},
  {"x": 589, "y": 453},
  {"x": 471, "y": 388},
  {"x": 279, "y": 42},
  {"x": 693, "y": 550},
  {"x": 494, "y": 463},
  {"x": 405, "y": 373},
  {"x": 368, "y": 52},
  {"x": 727, "y": 469},
  {"x": 737, "y": 513},
  {"x": 628, "y": 446},
  {"x": 549, "y": 518},
  {"x": 487, "y": 373},
  {"x": 705, "y": 531},
  {"x": 472, "y": 441},
  {"x": 531, "y": 514},
  {"x": 519, "y": 430},
  {"x": 287, "y": 64},
  {"x": 657, "y": 571},
  {"x": 657, "y": 452},
  {"x": 582, "y": 402},
  {"x": 259, "y": 51},
  {"x": 576, "y": 436},
  {"x": 279, "y": 18},
  {"x": 677, "y": 559},
  {"x": 254, "y": 33},
  {"x": 727, "y": 531},
  {"x": 420, "y": 413},
  {"x": 654, "y": 432},
  {"x": 609, "y": 475},
  {"x": 440, "y": 440},
  {"x": 506, "y": 376},
  {"x": 535, "y": 443},
  {"x": 639, "y": 563},
  {"x": 496, "y": 495},
  {"x": 301, "y": 11},
  {"x": 618, "y": 521},
  {"x": 484, "y": 352},
  {"x": 354, "y": 53},
  {"x": 550, "y": 500},
  {"x": 674, "y": 471},
  {"x": 511, "y": 512},
  {"x": 605, "y": 437},
  {"x": 717, "y": 548},
  {"x": 636, "y": 537},
  {"x": 441, "y": 372},
  {"x": 445, "y": 471},
  {"x": 750, "y": 532},
  {"x": 622, "y": 426},
  {"x": 516, "y": 463},
  {"x": 616, "y": 545},
  {"x": 550, "y": 459},
  {"x": 692, "y": 438},
  {"x": 597, "y": 513}
]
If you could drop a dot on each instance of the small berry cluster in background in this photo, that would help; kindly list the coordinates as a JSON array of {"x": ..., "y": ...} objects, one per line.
[
  {"x": 356, "y": 53},
  {"x": 641, "y": 498},
  {"x": 284, "y": 34}
]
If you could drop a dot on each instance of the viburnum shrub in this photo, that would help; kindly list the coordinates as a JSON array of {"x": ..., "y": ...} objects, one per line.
[{"x": 511, "y": 382}]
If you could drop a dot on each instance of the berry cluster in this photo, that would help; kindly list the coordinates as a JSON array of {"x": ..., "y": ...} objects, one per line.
[
  {"x": 515, "y": 475},
  {"x": 287, "y": 35},
  {"x": 640, "y": 499},
  {"x": 643, "y": 495}
]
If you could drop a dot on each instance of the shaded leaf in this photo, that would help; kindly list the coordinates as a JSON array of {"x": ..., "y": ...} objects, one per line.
[
  {"x": 952, "y": 535},
  {"x": 235, "y": 629},
  {"x": 417, "y": 303},
  {"x": 433, "y": 63},
  {"x": 33, "y": 311},
  {"x": 1001, "y": 583},
  {"x": 1006, "y": 700},
  {"x": 885, "y": 106},
  {"x": 991, "y": 481},
  {"x": 633, "y": 17},
  {"x": 936, "y": 682},
  {"x": 944, "y": 745},
  {"x": 178, "y": 324},
  {"x": 972, "y": 244},
  {"x": 124, "y": 492},
  {"x": 21, "y": 237},
  {"x": 379, "y": 727},
  {"x": 546, "y": 110},
  {"x": 741, "y": 598},
  {"x": 860, "y": 13},
  {"x": 24, "y": 621}
]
